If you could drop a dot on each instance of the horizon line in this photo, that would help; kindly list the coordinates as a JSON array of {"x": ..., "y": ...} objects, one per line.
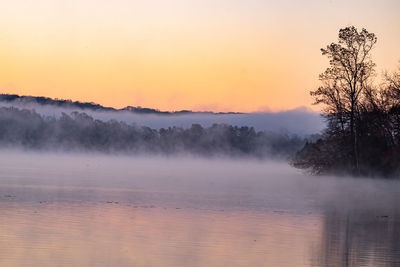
[{"x": 182, "y": 111}]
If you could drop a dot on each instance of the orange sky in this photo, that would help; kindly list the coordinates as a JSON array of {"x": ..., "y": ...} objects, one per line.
[{"x": 220, "y": 55}]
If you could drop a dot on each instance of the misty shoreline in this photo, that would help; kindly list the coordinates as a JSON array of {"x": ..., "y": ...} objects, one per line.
[
  {"x": 299, "y": 121},
  {"x": 77, "y": 131}
]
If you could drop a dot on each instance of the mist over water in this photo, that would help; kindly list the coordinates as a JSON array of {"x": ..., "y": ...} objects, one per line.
[
  {"x": 96, "y": 210},
  {"x": 297, "y": 121}
]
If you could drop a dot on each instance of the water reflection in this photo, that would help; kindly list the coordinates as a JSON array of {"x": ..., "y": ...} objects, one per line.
[
  {"x": 75, "y": 210},
  {"x": 125, "y": 234},
  {"x": 360, "y": 238},
  {"x": 120, "y": 234}
]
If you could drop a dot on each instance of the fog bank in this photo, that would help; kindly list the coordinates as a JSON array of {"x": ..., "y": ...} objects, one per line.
[
  {"x": 27, "y": 129},
  {"x": 188, "y": 182},
  {"x": 297, "y": 121}
]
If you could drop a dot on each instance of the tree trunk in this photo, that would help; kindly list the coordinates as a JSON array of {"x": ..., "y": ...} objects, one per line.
[{"x": 353, "y": 137}]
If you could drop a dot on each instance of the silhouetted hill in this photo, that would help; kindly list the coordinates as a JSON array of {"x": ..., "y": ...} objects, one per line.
[{"x": 13, "y": 98}]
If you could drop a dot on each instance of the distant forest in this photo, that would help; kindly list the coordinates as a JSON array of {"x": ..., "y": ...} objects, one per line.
[
  {"x": 23, "y": 128},
  {"x": 363, "y": 117},
  {"x": 66, "y": 103}
]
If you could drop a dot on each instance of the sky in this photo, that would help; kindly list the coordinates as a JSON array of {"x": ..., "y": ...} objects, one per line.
[{"x": 216, "y": 55}]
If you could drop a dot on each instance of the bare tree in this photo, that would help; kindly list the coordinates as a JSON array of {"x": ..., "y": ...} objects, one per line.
[
  {"x": 391, "y": 89},
  {"x": 345, "y": 80},
  {"x": 393, "y": 85}
]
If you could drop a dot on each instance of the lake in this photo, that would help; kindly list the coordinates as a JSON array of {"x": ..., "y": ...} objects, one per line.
[{"x": 94, "y": 210}]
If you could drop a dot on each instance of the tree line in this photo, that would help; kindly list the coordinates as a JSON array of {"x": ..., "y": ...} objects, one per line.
[
  {"x": 80, "y": 132},
  {"x": 67, "y": 103},
  {"x": 363, "y": 115}
]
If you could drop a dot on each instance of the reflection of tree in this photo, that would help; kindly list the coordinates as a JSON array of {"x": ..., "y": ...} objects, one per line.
[{"x": 359, "y": 239}]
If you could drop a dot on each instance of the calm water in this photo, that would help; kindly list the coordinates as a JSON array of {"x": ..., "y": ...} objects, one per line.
[{"x": 87, "y": 210}]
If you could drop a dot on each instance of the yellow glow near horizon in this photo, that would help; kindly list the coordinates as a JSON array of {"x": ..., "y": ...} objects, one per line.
[{"x": 221, "y": 55}]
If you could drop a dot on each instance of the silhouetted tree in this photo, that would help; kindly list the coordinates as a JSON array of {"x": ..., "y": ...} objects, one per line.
[
  {"x": 345, "y": 80},
  {"x": 363, "y": 119}
]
